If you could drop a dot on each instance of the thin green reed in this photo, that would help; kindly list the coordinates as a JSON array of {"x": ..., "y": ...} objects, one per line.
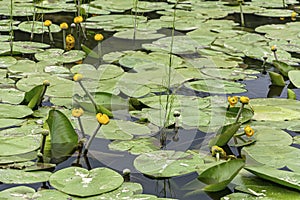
[
  {"x": 11, "y": 30},
  {"x": 135, "y": 5},
  {"x": 170, "y": 97}
]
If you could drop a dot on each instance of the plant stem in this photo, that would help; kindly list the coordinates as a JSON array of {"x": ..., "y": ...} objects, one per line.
[
  {"x": 89, "y": 95},
  {"x": 50, "y": 36},
  {"x": 283, "y": 3},
  {"x": 275, "y": 56},
  {"x": 11, "y": 30},
  {"x": 135, "y": 4},
  {"x": 239, "y": 113},
  {"x": 33, "y": 22},
  {"x": 64, "y": 39},
  {"x": 242, "y": 14},
  {"x": 81, "y": 127},
  {"x": 88, "y": 144}
]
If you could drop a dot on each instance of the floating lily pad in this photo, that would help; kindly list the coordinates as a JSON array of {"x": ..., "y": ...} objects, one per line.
[
  {"x": 138, "y": 35},
  {"x": 6, "y": 61},
  {"x": 167, "y": 163},
  {"x": 59, "y": 56},
  {"x": 11, "y": 95},
  {"x": 12, "y": 176},
  {"x": 39, "y": 27},
  {"x": 81, "y": 182},
  {"x": 216, "y": 86},
  {"x": 275, "y": 109},
  {"x": 14, "y": 111},
  {"x": 123, "y": 130},
  {"x": 294, "y": 76},
  {"x": 285, "y": 178},
  {"x": 25, "y": 144},
  {"x": 17, "y": 193},
  {"x": 136, "y": 146}
]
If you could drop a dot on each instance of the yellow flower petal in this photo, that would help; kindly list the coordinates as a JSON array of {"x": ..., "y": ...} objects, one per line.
[
  {"x": 77, "y": 77},
  {"x": 244, "y": 100},
  {"x": 47, "y": 23},
  {"x": 77, "y": 112},
  {"x": 232, "y": 100},
  {"x": 64, "y": 25},
  {"x": 248, "y": 131},
  {"x": 78, "y": 19},
  {"x": 98, "y": 37},
  {"x": 102, "y": 118}
]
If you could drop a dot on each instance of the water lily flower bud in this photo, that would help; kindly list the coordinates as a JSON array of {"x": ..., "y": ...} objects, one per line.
[
  {"x": 78, "y": 19},
  {"x": 217, "y": 150},
  {"x": 126, "y": 171},
  {"x": 77, "y": 77},
  {"x": 98, "y": 37},
  {"x": 77, "y": 112},
  {"x": 232, "y": 100},
  {"x": 294, "y": 15},
  {"x": 102, "y": 118},
  {"x": 64, "y": 26},
  {"x": 46, "y": 83},
  {"x": 176, "y": 113},
  {"x": 274, "y": 48},
  {"x": 244, "y": 100},
  {"x": 47, "y": 23},
  {"x": 248, "y": 131},
  {"x": 70, "y": 39}
]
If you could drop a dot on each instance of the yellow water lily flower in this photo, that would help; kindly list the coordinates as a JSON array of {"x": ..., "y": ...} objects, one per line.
[
  {"x": 216, "y": 149},
  {"x": 70, "y": 39},
  {"x": 64, "y": 26},
  {"x": 244, "y": 100},
  {"x": 98, "y": 37},
  {"x": 248, "y": 131},
  {"x": 102, "y": 118},
  {"x": 294, "y": 15},
  {"x": 77, "y": 112},
  {"x": 78, "y": 19},
  {"x": 274, "y": 48},
  {"x": 232, "y": 100},
  {"x": 77, "y": 77},
  {"x": 47, "y": 23}
]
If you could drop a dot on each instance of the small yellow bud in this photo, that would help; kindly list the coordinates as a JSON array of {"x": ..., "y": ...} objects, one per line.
[
  {"x": 216, "y": 149},
  {"x": 78, "y": 19},
  {"x": 77, "y": 77},
  {"x": 64, "y": 26},
  {"x": 244, "y": 100},
  {"x": 232, "y": 100},
  {"x": 248, "y": 131},
  {"x": 47, "y": 23},
  {"x": 294, "y": 15},
  {"x": 70, "y": 39},
  {"x": 282, "y": 18},
  {"x": 273, "y": 48},
  {"x": 46, "y": 83},
  {"x": 98, "y": 37},
  {"x": 77, "y": 112},
  {"x": 102, "y": 118}
]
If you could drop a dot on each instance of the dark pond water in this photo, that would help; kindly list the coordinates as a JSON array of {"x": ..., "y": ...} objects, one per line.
[{"x": 164, "y": 187}]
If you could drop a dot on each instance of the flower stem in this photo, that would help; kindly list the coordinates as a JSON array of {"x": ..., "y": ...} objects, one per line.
[
  {"x": 88, "y": 144},
  {"x": 64, "y": 39},
  {"x": 239, "y": 113},
  {"x": 81, "y": 127},
  {"x": 89, "y": 95},
  {"x": 50, "y": 36},
  {"x": 242, "y": 15}
]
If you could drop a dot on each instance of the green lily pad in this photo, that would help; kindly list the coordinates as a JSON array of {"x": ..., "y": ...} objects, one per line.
[
  {"x": 39, "y": 27},
  {"x": 136, "y": 146},
  {"x": 6, "y": 61},
  {"x": 294, "y": 76},
  {"x": 18, "y": 158},
  {"x": 285, "y": 178},
  {"x": 81, "y": 182},
  {"x": 14, "y": 111},
  {"x": 216, "y": 86},
  {"x": 138, "y": 35},
  {"x": 17, "y": 193},
  {"x": 11, "y": 95},
  {"x": 123, "y": 130},
  {"x": 12, "y": 176},
  {"x": 273, "y": 155},
  {"x": 219, "y": 176},
  {"x": 275, "y": 109},
  {"x": 10, "y": 122},
  {"x": 59, "y": 56},
  {"x": 25, "y": 144},
  {"x": 167, "y": 163}
]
